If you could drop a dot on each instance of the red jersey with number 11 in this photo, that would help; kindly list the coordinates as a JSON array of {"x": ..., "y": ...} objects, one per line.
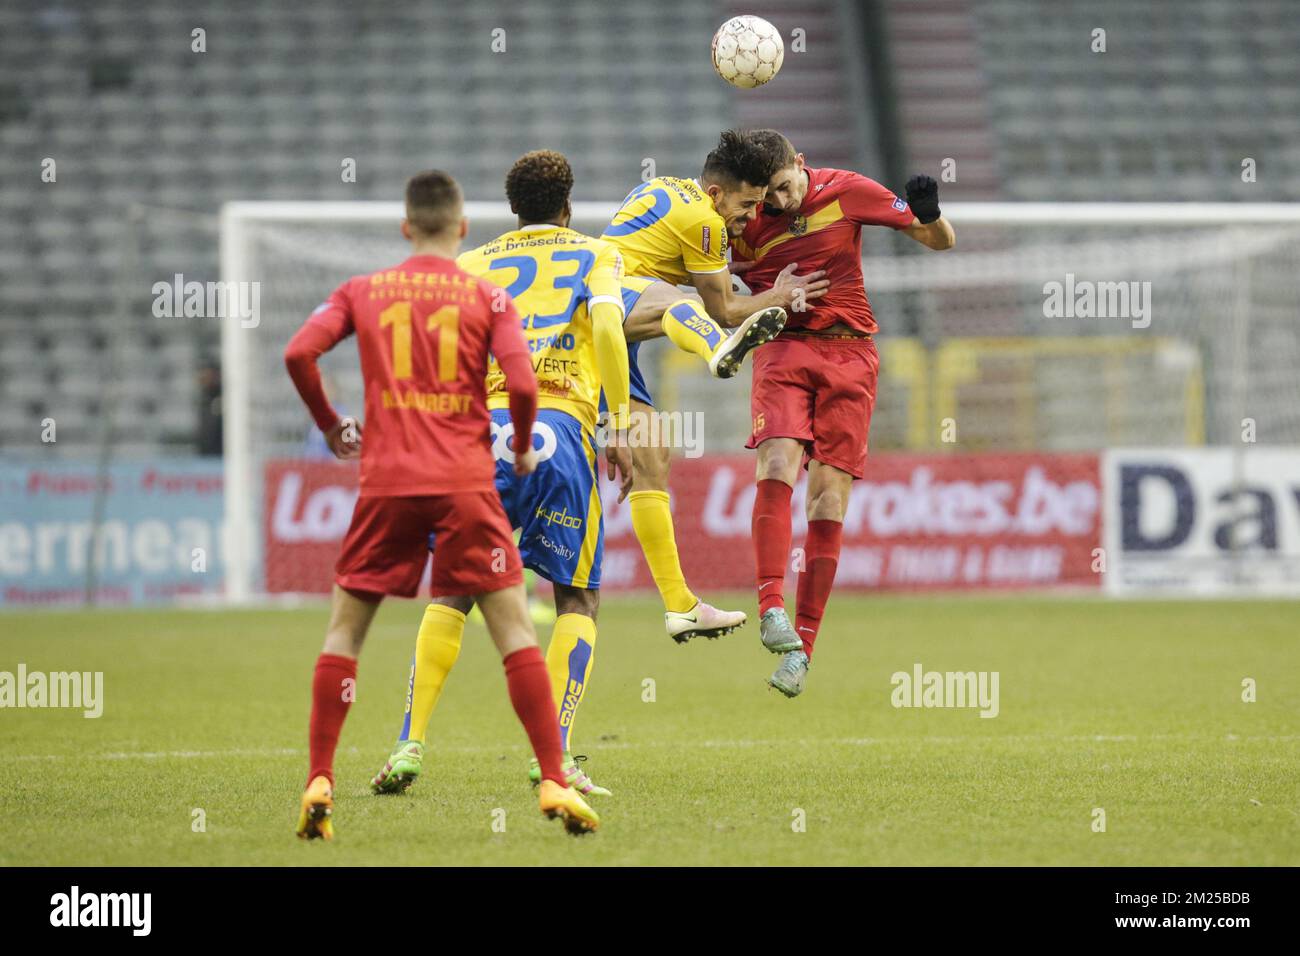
[
  {"x": 424, "y": 329},
  {"x": 826, "y": 233}
]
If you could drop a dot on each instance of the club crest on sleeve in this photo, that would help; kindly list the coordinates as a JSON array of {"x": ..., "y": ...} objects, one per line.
[{"x": 899, "y": 204}]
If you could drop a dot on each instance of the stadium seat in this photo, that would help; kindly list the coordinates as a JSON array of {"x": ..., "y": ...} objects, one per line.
[{"x": 271, "y": 115}]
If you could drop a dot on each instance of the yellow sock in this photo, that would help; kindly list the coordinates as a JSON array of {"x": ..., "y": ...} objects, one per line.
[
  {"x": 436, "y": 650},
  {"x": 652, "y": 520},
  {"x": 689, "y": 327},
  {"x": 568, "y": 661}
]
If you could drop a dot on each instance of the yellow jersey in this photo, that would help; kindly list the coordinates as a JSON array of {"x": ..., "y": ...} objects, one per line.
[
  {"x": 555, "y": 276},
  {"x": 667, "y": 229}
]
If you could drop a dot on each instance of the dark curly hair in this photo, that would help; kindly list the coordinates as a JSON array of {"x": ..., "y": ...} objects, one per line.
[
  {"x": 538, "y": 185},
  {"x": 738, "y": 158}
]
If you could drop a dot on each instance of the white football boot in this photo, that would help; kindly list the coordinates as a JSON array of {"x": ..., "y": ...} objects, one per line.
[
  {"x": 763, "y": 326},
  {"x": 703, "y": 620}
]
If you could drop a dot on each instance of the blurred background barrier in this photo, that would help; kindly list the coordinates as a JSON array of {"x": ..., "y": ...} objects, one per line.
[
  {"x": 133, "y": 533},
  {"x": 1171, "y": 521},
  {"x": 919, "y": 521}
]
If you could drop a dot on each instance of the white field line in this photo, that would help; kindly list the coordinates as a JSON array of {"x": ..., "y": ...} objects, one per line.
[{"x": 435, "y": 749}]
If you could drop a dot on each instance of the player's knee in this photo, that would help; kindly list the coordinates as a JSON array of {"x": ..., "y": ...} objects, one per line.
[
  {"x": 518, "y": 639},
  {"x": 511, "y": 640},
  {"x": 456, "y": 602},
  {"x": 344, "y": 640},
  {"x": 571, "y": 600},
  {"x": 778, "y": 469},
  {"x": 351, "y": 612},
  {"x": 827, "y": 504},
  {"x": 645, "y": 321},
  {"x": 508, "y": 622},
  {"x": 779, "y": 459},
  {"x": 658, "y": 295}
]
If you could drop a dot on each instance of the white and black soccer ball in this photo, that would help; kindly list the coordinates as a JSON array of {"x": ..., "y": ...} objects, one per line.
[{"x": 747, "y": 51}]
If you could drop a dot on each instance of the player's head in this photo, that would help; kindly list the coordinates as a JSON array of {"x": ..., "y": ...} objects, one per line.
[
  {"x": 538, "y": 187},
  {"x": 735, "y": 176},
  {"x": 434, "y": 209},
  {"x": 789, "y": 183}
]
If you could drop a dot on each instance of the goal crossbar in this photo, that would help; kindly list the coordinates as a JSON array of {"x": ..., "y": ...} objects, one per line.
[{"x": 969, "y": 213}]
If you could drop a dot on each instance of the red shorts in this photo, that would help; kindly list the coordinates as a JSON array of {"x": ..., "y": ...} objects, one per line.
[
  {"x": 388, "y": 544},
  {"x": 819, "y": 391}
]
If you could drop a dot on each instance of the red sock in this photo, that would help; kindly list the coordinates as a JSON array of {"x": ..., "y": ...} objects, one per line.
[
  {"x": 330, "y": 699},
  {"x": 770, "y": 529},
  {"x": 530, "y": 693},
  {"x": 821, "y": 558}
]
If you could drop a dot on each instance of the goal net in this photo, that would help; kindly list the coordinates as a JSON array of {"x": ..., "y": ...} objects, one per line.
[{"x": 1050, "y": 328}]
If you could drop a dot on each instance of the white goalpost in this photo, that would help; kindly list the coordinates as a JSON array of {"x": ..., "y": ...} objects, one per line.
[{"x": 1208, "y": 296}]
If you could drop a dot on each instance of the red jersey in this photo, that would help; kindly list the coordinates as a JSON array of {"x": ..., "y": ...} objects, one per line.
[
  {"x": 424, "y": 330},
  {"x": 826, "y": 233}
]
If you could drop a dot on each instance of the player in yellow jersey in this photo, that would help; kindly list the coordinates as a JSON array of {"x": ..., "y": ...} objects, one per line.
[
  {"x": 674, "y": 232},
  {"x": 567, "y": 288}
]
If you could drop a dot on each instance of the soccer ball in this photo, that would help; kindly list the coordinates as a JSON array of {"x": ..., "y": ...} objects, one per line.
[{"x": 747, "y": 51}]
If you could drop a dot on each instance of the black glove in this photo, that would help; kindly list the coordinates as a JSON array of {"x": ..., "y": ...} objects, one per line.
[{"x": 923, "y": 197}]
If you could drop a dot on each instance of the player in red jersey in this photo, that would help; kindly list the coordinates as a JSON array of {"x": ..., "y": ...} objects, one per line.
[
  {"x": 815, "y": 383},
  {"x": 424, "y": 329}
]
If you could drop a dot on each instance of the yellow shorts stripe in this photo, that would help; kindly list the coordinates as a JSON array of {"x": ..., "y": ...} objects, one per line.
[{"x": 587, "y": 556}]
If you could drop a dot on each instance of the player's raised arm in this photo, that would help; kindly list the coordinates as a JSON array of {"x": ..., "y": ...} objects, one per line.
[
  {"x": 510, "y": 349},
  {"x": 929, "y": 228},
  {"x": 324, "y": 329},
  {"x": 730, "y": 308},
  {"x": 869, "y": 203}
]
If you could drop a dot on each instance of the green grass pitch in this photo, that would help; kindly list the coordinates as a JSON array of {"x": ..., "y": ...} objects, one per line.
[{"x": 1133, "y": 708}]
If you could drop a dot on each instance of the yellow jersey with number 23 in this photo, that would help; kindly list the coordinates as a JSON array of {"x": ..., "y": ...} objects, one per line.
[{"x": 555, "y": 276}]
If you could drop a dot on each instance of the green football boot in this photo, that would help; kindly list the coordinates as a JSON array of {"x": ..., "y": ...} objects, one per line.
[
  {"x": 402, "y": 768},
  {"x": 573, "y": 776}
]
